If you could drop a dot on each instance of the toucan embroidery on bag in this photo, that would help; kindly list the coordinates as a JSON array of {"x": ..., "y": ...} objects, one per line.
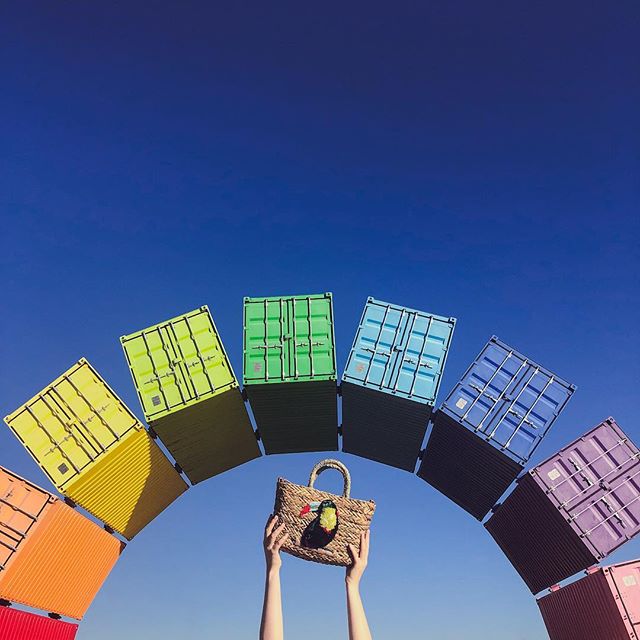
[{"x": 322, "y": 530}]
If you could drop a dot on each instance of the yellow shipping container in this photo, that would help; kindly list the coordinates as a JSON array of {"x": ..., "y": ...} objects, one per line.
[
  {"x": 132, "y": 485},
  {"x": 95, "y": 451}
]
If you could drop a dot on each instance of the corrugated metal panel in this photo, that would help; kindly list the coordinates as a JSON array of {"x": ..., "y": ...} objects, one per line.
[
  {"x": 400, "y": 351},
  {"x": 21, "y": 625},
  {"x": 22, "y": 505},
  {"x": 595, "y": 483},
  {"x": 178, "y": 363},
  {"x": 508, "y": 399},
  {"x": 72, "y": 423},
  {"x": 210, "y": 437},
  {"x": 535, "y": 537},
  {"x": 132, "y": 485},
  {"x": 61, "y": 564},
  {"x": 296, "y": 417},
  {"x": 289, "y": 339},
  {"x": 382, "y": 427},
  {"x": 466, "y": 469},
  {"x": 624, "y": 582},
  {"x": 588, "y": 609}
]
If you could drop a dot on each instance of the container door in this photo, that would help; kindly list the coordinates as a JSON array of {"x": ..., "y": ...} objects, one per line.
[
  {"x": 509, "y": 399},
  {"x": 595, "y": 482},
  {"x": 21, "y": 505},
  {"x": 155, "y": 367},
  {"x": 267, "y": 335},
  {"x": 377, "y": 347},
  {"x": 71, "y": 423},
  {"x": 206, "y": 368},
  {"x": 419, "y": 362},
  {"x": 311, "y": 342}
]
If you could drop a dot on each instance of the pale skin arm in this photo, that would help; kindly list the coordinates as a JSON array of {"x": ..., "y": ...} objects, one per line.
[
  {"x": 271, "y": 626},
  {"x": 358, "y": 625}
]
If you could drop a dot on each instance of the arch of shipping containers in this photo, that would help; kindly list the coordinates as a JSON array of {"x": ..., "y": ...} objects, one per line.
[
  {"x": 565, "y": 515},
  {"x": 95, "y": 451}
]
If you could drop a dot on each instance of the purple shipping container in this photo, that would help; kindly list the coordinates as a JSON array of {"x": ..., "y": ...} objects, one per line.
[
  {"x": 604, "y": 605},
  {"x": 573, "y": 509}
]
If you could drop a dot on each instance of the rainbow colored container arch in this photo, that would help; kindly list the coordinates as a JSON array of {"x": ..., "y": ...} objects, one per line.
[{"x": 565, "y": 515}]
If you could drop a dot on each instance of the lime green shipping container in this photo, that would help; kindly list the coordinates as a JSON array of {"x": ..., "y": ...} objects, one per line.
[
  {"x": 190, "y": 395},
  {"x": 290, "y": 371},
  {"x": 95, "y": 451}
]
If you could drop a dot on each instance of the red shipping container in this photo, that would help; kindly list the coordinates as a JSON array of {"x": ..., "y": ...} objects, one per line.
[
  {"x": 20, "y": 625},
  {"x": 604, "y": 605}
]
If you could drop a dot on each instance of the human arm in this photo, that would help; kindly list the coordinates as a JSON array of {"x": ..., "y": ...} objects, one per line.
[
  {"x": 358, "y": 625},
  {"x": 271, "y": 625}
]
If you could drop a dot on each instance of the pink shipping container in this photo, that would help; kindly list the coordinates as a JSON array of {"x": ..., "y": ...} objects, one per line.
[
  {"x": 572, "y": 510},
  {"x": 20, "y": 625},
  {"x": 604, "y": 605}
]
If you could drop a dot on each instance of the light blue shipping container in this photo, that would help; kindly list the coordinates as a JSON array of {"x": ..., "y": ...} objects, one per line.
[
  {"x": 508, "y": 399},
  {"x": 400, "y": 351}
]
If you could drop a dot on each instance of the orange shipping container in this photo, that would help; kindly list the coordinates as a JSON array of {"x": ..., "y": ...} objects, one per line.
[{"x": 51, "y": 556}]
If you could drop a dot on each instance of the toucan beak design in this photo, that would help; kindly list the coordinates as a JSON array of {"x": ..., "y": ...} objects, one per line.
[{"x": 312, "y": 506}]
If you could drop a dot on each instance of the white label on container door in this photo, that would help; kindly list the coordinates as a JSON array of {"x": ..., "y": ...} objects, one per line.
[
  {"x": 629, "y": 581},
  {"x": 462, "y": 403},
  {"x": 554, "y": 474}
]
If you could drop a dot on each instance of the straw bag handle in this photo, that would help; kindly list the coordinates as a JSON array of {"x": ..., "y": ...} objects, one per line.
[{"x": 323, "y": 465}]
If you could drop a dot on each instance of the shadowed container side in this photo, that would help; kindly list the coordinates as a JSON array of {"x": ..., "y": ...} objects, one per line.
[
  {"x": 190, "y": 395},
  {"x": 572, "y": 510},
  {"x": 289, "y": 371},
  {"x": 53, "y": 558},
  {"x": 22, "y": 625},
  {"x": 391, "y": 381},
  {"x": 604, "y": 605},
  {"x": 95, "y": 451},
  {"x": 489, "y": 426}
]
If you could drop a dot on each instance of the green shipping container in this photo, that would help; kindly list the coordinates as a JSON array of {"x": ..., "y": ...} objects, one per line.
[
  {"x": 290, "y": 371},
  {"x": 190, "y": 395}
]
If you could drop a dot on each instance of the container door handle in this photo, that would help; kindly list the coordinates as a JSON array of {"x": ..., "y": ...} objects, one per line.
[
  {"x": 376, "y": 352},
  {"x": 426, "y": 365}
]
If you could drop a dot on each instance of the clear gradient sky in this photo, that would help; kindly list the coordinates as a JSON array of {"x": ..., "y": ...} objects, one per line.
[{"x": 478, "y": 160}]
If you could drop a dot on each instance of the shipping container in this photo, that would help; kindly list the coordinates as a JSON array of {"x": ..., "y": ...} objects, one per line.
[
  {"x": 508, "y": 400},
  {"x": 572, "y": 510},
  {"x": 489, "y": 425},
  {"x": 53, "y": 558},
  {"x": 131, "y": 486},
  {"x": 467, "y": 470},
  {"x": 604, "y": 605},
  {"x": 22, "y": 625},
  {"x": 95, "y": 451},
  {"x": 190, "y": 395},
  {"x": 391, "y": 381},
  {"x": 290, "y": 371}
]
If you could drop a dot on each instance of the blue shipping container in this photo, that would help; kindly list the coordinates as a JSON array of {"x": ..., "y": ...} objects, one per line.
[
  {"x": 400, "y": 351},
  {"x": 508, "y": 399}
]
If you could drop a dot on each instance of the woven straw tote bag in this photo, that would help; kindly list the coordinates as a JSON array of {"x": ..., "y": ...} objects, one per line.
[{"x": 321, "y": 524}]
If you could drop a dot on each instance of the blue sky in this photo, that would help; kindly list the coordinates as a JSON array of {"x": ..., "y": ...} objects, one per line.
[{"x": 473, "y": 160}]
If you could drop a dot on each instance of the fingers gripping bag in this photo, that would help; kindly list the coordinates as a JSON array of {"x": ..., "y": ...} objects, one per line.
[{"x": 321, "y": 524}]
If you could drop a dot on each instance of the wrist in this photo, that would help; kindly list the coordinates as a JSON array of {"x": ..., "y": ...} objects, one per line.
[
  {"x": 352, "y": 583},
  {"x": 273, "y": 571}
]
